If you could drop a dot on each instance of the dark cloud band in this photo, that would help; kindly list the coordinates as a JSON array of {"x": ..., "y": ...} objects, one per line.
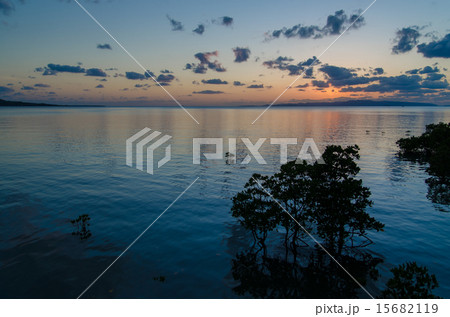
[{"x": 335, "y": 24}]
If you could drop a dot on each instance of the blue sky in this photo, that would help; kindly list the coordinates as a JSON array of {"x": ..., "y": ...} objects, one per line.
[{"x": 43, "y": 36}]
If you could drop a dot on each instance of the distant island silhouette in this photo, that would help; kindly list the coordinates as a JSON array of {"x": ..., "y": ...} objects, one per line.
[
  {"x": 6, "y": 103},
  {"x": 347, "y": 103}
]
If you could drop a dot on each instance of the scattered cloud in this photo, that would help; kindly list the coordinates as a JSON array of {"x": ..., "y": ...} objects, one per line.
[
  {"x": 142, "y": 85},
  {"x": 285, "y": 63},
  {"x": 208, "y": 92},
  {"x": 135, "y": 76},
  {"x": 95, "y": 72},
  {"x": 215, "y": 81},
  {"x": 238, "y": 83},
  {"x": 176, "y": 25},
  {"x": 48, "y": 72},
  {"x": 254, "y": 86},
  {"x": 406, "y": 39},
  {"x": 428, "y": 70},
  {"x": 104, "y": 46},
  {"x": 439, "y": 48},
  {"x": 378, "y": 71},
  {"x": 6, "y": 90},
  {"x": 56, "y": 68},
  {"x": 241, "y": 54},
  {"x": 391, "y": 84},
  {"x": 434, "y": 84},
  {"x": 42, "y": 85},
  {"x": 227, "y": 21},
  {"x": 336, "y": 73},
  {"x": 138, "y": 76},
  {"x": 426, "y": 81},
  {"x": 413, "y": 71},
  {"x": 205, "y": 63},
  {"x": 338, "y": 22},
  {"x": 434, "y": 76},
  {"x": 6, "y": 7},
  {"x": 165, "y": 80},
  {"x": 28, "y": 88},
  {"x": 335, "y": 24},
  {"x": 199, "y": 29},
  {"x": 320, "y": 83},
  {"x": 205, "y": 57},
  {"x": 425, "y": 70},
  {"x": 402, "y": 84},
  {"x": 341, "y": 76},
  {"x": 100, "y": 86}
]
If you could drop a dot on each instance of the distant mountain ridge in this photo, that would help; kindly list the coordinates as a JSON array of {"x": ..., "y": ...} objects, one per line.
[
  {"x": 360, "y": 103},
  {"x": 347, "y": 103},
  {"x": 6, "y": 103}
]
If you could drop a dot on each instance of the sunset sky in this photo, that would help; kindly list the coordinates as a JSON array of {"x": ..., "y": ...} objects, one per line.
[{"x": 223, "y": 53}]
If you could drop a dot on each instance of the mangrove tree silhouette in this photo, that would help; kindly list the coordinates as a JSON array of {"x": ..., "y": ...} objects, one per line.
[
  {"x": 433, "y": 148},
  {"x": 324, "y": 199}
]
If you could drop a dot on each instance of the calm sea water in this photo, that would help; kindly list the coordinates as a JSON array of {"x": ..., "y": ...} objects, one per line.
[{"x": 57, "y": 164}]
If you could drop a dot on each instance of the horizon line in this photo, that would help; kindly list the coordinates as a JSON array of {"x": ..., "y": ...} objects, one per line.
[{"x": 318, "y": 103}]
